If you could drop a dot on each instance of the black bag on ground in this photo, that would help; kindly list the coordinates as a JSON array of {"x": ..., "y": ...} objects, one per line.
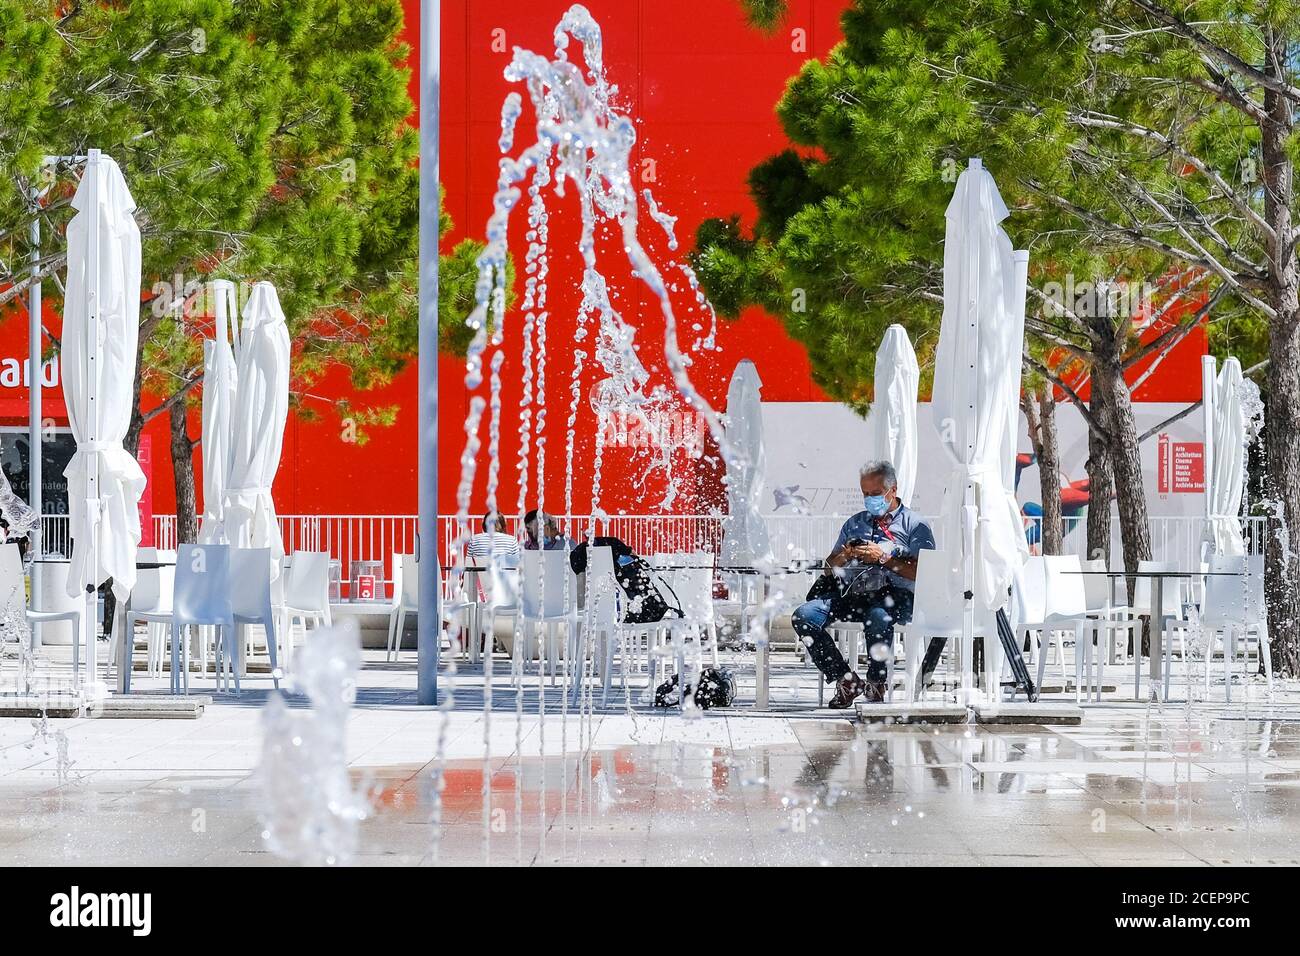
[
  {"x": 645, "y": 603},
  {"x": 717, "y": 689}
]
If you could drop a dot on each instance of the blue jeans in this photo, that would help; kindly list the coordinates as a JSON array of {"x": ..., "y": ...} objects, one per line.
[{"x": 878, "y": 611}]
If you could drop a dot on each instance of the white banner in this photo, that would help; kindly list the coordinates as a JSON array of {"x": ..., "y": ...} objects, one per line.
[{"x": 814, "y": 451}]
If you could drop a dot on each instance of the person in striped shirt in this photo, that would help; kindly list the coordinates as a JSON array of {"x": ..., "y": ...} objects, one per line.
[{"x": 493, "y": 545}]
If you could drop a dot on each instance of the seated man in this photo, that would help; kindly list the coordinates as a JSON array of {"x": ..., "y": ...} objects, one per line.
[
  {"x": 869, "y": 577},
  {"x": 552, "y": 539}
]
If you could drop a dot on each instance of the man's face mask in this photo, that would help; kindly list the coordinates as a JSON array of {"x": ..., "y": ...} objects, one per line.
[{"x": 875, "y": 505}]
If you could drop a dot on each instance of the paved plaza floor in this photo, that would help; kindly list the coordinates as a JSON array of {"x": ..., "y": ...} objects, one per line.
[{"x": 1209, "y": 784}]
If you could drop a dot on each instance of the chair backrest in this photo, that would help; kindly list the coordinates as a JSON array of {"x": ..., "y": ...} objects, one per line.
[
  {"x": 935, "y": 606},
  {"x": 600, "y": 590},
  {"x": 410, "y": 581},
  {"x": 1255, "y": 593},
  {"x": 693, "y": 588},
  {"x": 250, "y": 582},
  {"x": 1065, "y": 593},
  {"x": 499, "y": 586},
  {"x": 201, "y": 594},
  {"x": 1029, "y": 591},
  {"x": 1096, "y": 587},
  {"x": 308, "y": 584},
  {"x": 154, "y": 586},
  {"x": 277, "y": 583},
  {"x": 1235, "y": 600},
  {"x": 547, "y": 585},
  {"x": 1172, "y": 589}
]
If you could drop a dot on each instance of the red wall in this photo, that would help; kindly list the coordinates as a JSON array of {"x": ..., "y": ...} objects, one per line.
[{"x": 702, "y": 86}]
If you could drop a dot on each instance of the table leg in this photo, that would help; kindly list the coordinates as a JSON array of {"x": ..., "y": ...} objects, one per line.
[
  {"x": 761, "y": 697},
  {"x": 126, "y": 638},
  {"x": 1157, "y": 620}
]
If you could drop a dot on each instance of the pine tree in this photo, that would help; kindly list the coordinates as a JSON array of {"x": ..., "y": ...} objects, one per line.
[
  {"x": 260, "y": 140},
  {"x": 1130, "y": 138}
]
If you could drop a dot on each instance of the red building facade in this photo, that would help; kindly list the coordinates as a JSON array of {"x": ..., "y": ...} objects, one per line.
[{"x": 701, "y": 86}]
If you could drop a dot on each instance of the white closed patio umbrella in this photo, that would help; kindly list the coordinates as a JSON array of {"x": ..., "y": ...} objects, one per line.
[
  {"x": 745, "y": 536},
  {"x": 260, "y": 412},
  {"x": 220, "y": 378},
  {"x": 1226, "y": 435},
  {"x": 892, "y": 419},
  {"x": 101, "y": 317},
  {"x": 980, "y": 346}
]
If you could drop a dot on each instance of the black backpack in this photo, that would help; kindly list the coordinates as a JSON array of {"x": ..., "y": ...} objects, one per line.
[
  {"x": 645, "y": 603},
  {"x": 717, "y": 689}
]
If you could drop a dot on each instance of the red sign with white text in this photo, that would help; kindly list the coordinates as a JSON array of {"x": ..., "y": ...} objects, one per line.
[{"x": 1180, "y": 468}]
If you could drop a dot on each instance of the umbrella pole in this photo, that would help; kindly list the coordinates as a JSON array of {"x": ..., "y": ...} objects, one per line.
[
  {"x": 970, "y": 513},
  {"x": 429, "y": 629},
  {"x": 92, "y": 688}
]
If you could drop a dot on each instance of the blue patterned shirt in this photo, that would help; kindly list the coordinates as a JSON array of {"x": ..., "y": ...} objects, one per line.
[{"x": 902, "y": 530}]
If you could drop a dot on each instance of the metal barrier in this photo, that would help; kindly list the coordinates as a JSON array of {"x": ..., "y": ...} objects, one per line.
[{"x": 794, "y": 537}]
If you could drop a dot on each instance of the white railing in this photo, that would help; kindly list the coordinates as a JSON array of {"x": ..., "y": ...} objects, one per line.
[{"x": 376, "y": 538}]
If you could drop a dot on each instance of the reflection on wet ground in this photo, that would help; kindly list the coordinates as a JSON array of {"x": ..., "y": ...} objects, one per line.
[{"x": 1127, "y": 787}]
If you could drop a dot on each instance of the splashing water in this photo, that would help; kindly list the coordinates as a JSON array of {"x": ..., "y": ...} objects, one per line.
[
  {"x": 581, "y": 150},
  {"x": 21, "y": 521},
  {"x": 584, "y": 142},
  {"x": 310, "y": 808}
]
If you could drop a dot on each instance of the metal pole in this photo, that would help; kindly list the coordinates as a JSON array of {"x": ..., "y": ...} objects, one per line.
[
  {"x": 429, "y": 620},
  {"x": 92, "y": 687},
  {"x": 35, "y": 433}
]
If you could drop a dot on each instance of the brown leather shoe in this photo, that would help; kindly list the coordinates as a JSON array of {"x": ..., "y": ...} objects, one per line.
[{"x": 847, "y": 690}]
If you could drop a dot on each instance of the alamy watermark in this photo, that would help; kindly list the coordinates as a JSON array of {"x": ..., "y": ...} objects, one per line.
[{"x": 1090, "y": 298}]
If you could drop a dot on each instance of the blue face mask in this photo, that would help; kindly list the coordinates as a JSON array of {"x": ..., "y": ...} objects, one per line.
[{"x": 875, "y": 505}]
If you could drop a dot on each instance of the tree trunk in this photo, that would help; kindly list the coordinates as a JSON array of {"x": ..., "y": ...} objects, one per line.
[
  {"x": 1126, "y": 464},
  {"x": 1282, "y": 571},
  {"x": 1100, "y": 483},
  {"x": 1040, "y": 411},
  {"x": 187, "y": 524},
  {"x": 132, "y": 440}
]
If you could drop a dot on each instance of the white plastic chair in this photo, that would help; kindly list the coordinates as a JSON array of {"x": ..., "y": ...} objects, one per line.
[
  {"x": 201, "y": 596},
  {"x": 1053, "y": 603},
  {"x": 500, "y": 598},
  {"x": 250, "y": 599},
  {"x": 1234, "y": 609},
  {"x": 937, "y": 613},
  {"x": 692, "y": 586},
  {"x": 1098, "y": 604},
  {"x": 601, "y": 594},
  {"x": 306, "y": 595},
  {"x": 548, "y": 599},
  {"x": 152, "y": 593},
  {"x": 13, "y": 590},
  {"x": 406, "y": 600}
]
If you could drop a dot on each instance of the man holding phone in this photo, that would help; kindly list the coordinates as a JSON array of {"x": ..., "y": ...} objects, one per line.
[{"x": 870, "y": 577}]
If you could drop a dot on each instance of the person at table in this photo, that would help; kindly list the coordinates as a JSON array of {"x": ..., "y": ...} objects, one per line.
[
  {"x": 552, "y": 539},
  {"x": 493, "y": 545},
  {"x": 870, "y": 577}
]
